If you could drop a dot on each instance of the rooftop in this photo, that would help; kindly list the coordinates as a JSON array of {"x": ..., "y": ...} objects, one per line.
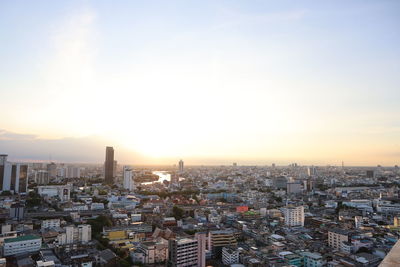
[
  {"x": 21, "y": 238},
  {"x": 339, "y": 231}
]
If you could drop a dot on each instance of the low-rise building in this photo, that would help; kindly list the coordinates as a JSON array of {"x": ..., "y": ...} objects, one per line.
[
  {"x": 312, "y": 259},
  {"x": 50, "y": 223},
  {"x": 230, "y": 255},
  {"x": 21, "y": 244}
]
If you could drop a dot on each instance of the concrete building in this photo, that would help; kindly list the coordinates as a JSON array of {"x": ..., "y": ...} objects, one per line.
[
  {"x": 150, "y": 252},
  {"x": 21, "y": 244},
  {"x": 80, "y": 234},
  {"x": 294, "y": 216},
  {"x": 393, "y": 257},
  {"x": 45, "y": 264},
  {"x": 181, "y": 165},
  {"x": 230, "y": 256},
  {"x": 201, "y": 248},
  {"x": 336, "y": 237},
  {"x": 50, "y": 223},
  {"x": 311, "y": 259},
  {"x": 62, "y": 191},
  {"x": 311, "y": 171},
  {"x": 73, "y": 172},
  {"x": 183, "y": 252},
  {"x": 219, "y": 239},
  {"x": 293, "y": 188},
  {"x": 109, "y": 165},
  {"x": 17, "y": 211},
  {"x": 42, "y": 177},
  {"x": 13, "y": 176},
  {"x": 128, "y": 178},
  {"x": 52, "y": 170},
  {"x": 370, "y": 173},
  {"x": 280, "y": 182}
]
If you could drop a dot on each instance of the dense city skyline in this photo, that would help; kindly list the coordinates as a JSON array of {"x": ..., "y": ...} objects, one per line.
[
  {"x": 214, "y": 133},
  {"x": 211, "y": 82}
]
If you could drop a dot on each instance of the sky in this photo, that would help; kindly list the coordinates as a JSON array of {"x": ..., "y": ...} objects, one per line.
[{"x": 211, "y": 82}]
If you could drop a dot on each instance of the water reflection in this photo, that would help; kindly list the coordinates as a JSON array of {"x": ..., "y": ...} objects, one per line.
[{"x": 162, "y": 176}]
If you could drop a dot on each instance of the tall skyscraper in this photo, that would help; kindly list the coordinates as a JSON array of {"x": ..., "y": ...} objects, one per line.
[
  {"x": 115, "y": 168},
  {"x": 128, "y": 178},
  {"x": 181, "y": 166},
  {"x": 13, "y": 176},
  {"x": 109, "y": 165}
]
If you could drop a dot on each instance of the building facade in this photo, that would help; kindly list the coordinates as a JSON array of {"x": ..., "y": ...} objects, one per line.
[
  {"x": 80, "y": 234},
  {"x": 336, "y": 237},
  {"x": 13, "y": 176},
  {"x": 128, "y": 178},
  {"x": 183, "y": 252},
  {"x": 181, "y": 165},
  {"x": 294, "y": 216},
  {"x": 21, "y": 244},
  {"x": 109, "y": 165},
  {"x": 230, "y": 256}
]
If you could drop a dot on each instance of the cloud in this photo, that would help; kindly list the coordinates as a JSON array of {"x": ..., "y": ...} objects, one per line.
[
  {"x": 88, "y": 149},
  {"x": 6, "y": 135}
]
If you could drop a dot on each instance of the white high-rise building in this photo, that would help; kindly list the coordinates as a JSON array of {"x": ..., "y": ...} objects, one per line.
[
  {"x": 14, "y": 176},
  {"x": 80, "y": 234},
  {"x": 181, "y": 166},
  {"x": 73, "y": 172},
  {"x": 42, "y": 177},
  {"x": 84, "y": 233},
  {"x": 294, "y": 216},
  {"x": 128, "y": 179}
]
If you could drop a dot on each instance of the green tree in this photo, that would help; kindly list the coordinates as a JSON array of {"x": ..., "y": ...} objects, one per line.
[
  {"x": 6, "y": 193},
  {"x": 177, "y": 212}
]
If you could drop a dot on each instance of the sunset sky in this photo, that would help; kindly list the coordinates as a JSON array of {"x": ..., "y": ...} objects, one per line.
[{"x": 211, "y": 82}]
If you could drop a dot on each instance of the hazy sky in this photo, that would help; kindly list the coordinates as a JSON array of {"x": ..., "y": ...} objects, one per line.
[{"x": 207, "y": 81}]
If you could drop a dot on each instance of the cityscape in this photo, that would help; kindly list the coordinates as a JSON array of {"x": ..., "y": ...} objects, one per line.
[
  {"x": 56, "y": 214},
  {"x": 200, "y": 133}
]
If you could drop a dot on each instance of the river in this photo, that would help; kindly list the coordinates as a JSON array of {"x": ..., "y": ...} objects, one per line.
[{"x": 162, "y": 176}]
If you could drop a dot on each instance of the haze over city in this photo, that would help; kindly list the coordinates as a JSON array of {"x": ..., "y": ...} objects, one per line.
[
  {"x": 213, "y": 82},
  {"x": 213, "y": 133}
]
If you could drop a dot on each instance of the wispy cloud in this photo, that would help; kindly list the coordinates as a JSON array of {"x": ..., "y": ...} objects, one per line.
[
  {"x": 7, "y": 135},
  {"x": 89, "y": 149}
]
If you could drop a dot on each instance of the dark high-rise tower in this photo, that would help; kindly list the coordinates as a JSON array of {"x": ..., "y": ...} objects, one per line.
[
  {"x": 181, "y": 166},
  {"x": 109, "y": 165}
]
